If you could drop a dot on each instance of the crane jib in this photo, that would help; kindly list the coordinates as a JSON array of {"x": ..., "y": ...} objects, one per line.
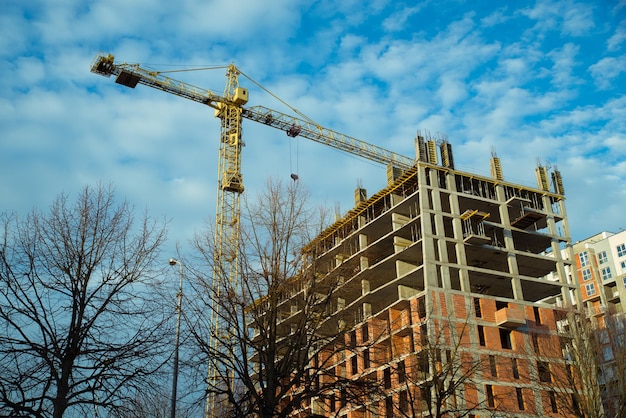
[
  {"x": 293, "y": 127},
  {"x": 130, "y": 75}
]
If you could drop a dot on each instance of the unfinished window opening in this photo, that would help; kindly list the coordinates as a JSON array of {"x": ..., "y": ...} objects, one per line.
[
  {"x": 543, "y": 370},
  {"x": 423, "y": 334},
  {"x": 452, "y": 255},
  {"x": 490, "y": 399},
  {"x": 389, "y": 407},
  {"x": 537, "y": 316},
  {"x": 401, "y": 371},
  {"x": 501, "y": 305},
  {"x": 520, "y": 398},
  {"x": 427, "y": 173},
  {"x": 447, "y": 227},
  {"x": 441, "y": 175},
  {"x": 514, "y": 368},
  {"x": 365, "y": 334},
  {"x": 535, "y": 341},
  {"x": 433, "y": 227},
  {"x": 505, "y": 339},
  {"x": 477, "y": 310},
  {"x": 366, "y": 359},
  {"x": 492, "y": 366},
  {"x": 481, "y": 335},
  {"x": 404, "y": 402},
  {"x": 387, "y": 378},
  {"x": 421, "y": 308},
  {"x": 422, "y": 362},
  {"x": 455, "y": 279},
  {"x": 553, "y": 404}
]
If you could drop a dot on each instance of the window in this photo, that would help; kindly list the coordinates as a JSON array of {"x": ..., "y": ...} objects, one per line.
[
  {"x": 553, "y": 402},
  {"x": 366, "y": 358},
  {"x": 505, "y": 339},
  {"x": 591, "y": 289},
  {"x": 353, "y": 339},
  {"x": 492, "y": 365},
  {"x": 365, "y": 333},
  {"x": 606, "y": 273},
  {"x": 624, "y": 280},
  {"x": 515, "y": 369},
  {"x": 481, "y": 335},
  {"x": 355, "y": 365},
  {"x": 535, "y": 341},
  {"x": 423, "y": 362},
  {"x": 607, "y": 352},
  {"x": 520, "y": 398},
  {"x": 623, "y": 264},
  {"x": 404, "y": 402},
  {"x": 401, "y": 371},
  {"x": 387, "y": 378},
  {"x": 586, "y": 274},
  {"x": 389, "y": 407},
  {"x": 421, "y": 308},
  {"x": 602, "y": 257},
  {"x": 537, "y": 317},
  {"x": 621, "y": 250},
  {"x": 423, "y": 334},
  {"x": 584, "y": 259},
  {"x": 477, "y": 309},
  {"x": 543, "y": 370},
  {"x": 490, "y": 401}
]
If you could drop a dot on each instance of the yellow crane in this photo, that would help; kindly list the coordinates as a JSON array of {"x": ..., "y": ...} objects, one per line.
[{"x": 229, "y": 107}]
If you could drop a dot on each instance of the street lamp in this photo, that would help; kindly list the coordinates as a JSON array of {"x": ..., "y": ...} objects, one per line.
[{"x": 179, "y": 296}]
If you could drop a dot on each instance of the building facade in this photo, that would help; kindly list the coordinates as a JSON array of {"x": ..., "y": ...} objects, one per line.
[
  {"x": 600, "y": 267},
  {"x": 600, "y": 263},
  {"x": 451, "y": 290}
]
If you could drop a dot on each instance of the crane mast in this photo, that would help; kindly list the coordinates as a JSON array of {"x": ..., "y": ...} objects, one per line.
[{"x": 229, "y": 108}]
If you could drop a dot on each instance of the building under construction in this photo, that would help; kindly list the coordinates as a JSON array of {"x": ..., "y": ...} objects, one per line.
[
  {"x": 467, "y": 265},
  {"x": 453, "y": 261}
]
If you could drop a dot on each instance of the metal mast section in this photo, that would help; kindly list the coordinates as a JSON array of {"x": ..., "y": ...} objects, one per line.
[
  {"x": 228, "y": 207},
  {"x": 230, "y": 180}
]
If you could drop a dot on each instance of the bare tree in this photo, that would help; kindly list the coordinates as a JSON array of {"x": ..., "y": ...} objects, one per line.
[
  {"x": 274, "y": 349},
  {"x": 611, "y": 340},
  {"x": 441, "y": 378},
  {"x": 79, "y": 330},
  {"x": 590, "y": 381}
]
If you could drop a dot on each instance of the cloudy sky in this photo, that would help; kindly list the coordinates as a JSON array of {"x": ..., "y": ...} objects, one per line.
[{"x": 539, "y": 81}]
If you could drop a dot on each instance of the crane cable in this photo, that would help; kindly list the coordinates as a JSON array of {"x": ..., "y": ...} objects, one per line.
[{"x": 294, "y": 175}]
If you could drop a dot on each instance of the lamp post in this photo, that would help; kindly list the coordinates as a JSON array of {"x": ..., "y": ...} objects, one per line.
[{"x": 179, "y": 296}]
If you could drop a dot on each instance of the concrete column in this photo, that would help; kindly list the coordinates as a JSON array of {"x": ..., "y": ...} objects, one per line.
[{"x": 509, "y": 244}]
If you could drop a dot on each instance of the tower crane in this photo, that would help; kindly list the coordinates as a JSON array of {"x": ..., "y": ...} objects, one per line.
[{"x": 229, "y": 107}]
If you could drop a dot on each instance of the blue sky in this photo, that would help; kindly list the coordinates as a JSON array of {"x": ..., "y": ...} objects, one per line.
[{"x": 534, "y": 80}]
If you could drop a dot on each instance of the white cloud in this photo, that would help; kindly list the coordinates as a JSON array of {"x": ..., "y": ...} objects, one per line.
[
  {"x": 564, "y": 65},
  {"x": 616, "y": 41},
  {"x": 606, "y": 70},
  {"x": 398, "y": 20},
  {"x": 571, "y": 18},
  {"x": 486, "y": 77}
]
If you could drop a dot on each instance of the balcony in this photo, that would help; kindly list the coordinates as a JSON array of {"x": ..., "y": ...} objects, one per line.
[{"x": 511, "y": 317}]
